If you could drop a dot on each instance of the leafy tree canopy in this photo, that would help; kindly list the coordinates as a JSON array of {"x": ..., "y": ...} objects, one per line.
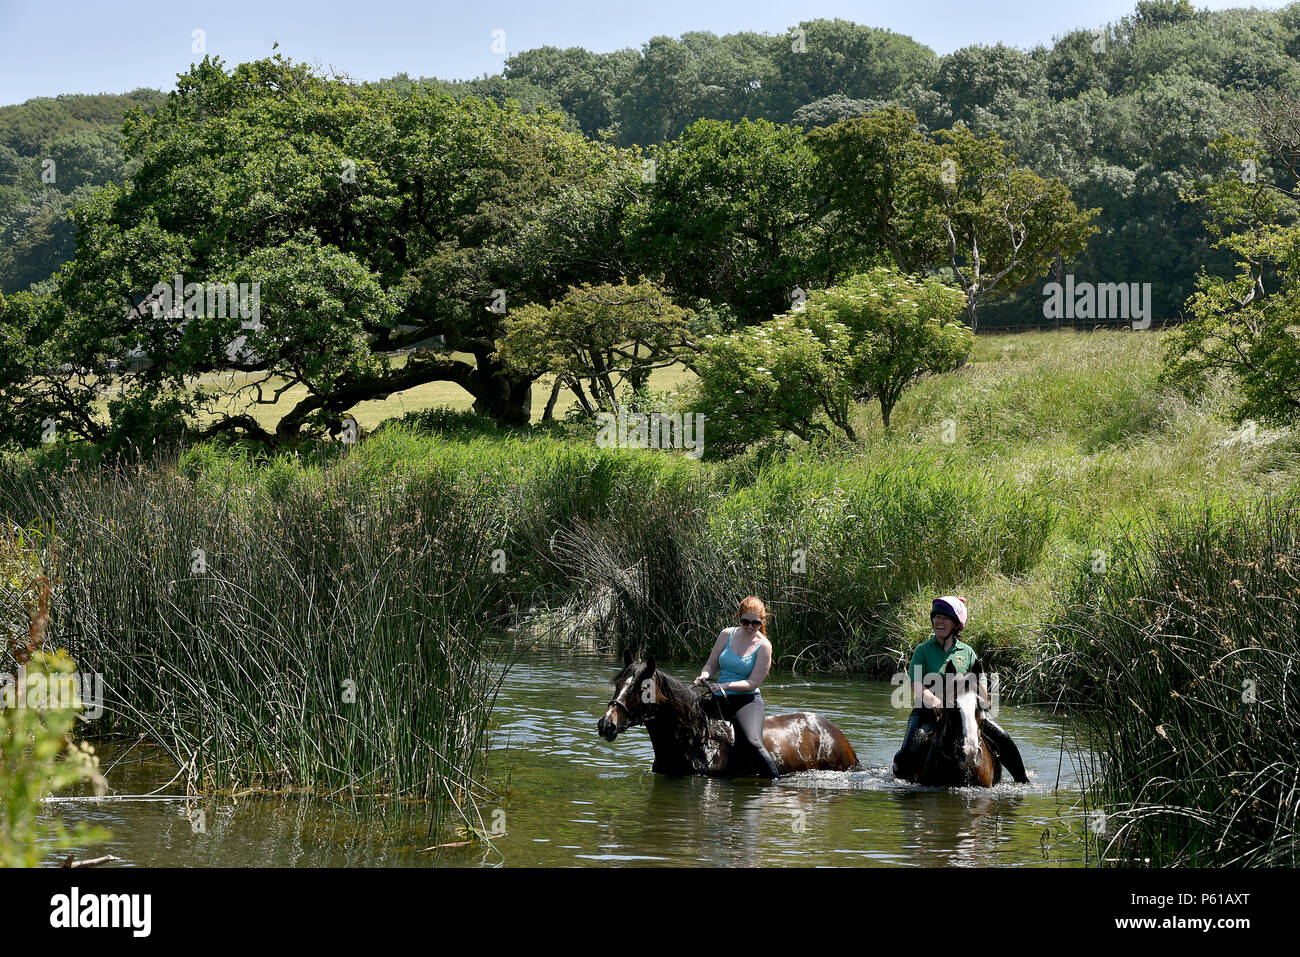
[
  {"x": 370, "y": 220},
  {"x": 607, "y": 336}
]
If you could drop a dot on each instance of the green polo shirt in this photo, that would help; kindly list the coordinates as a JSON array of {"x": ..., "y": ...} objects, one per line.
[{"x": 930, "y": 659}]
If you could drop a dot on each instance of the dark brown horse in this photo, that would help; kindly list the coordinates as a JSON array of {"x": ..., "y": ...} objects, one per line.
[
  {"x": 689, "y": 737},
  {"x": 952, "y": 751}
]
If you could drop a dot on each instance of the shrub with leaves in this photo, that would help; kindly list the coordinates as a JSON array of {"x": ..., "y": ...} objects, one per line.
[
  {"x": 1244, "y": 326},
  {"x": 886, "y": 330},
  {"x": 608, "y": 337},
  {"x": 870, "y": 337},
  {"x": 38, "y": 709},
  {"x": 769, "y": 379},
  {"x": 38, "y": 757}
]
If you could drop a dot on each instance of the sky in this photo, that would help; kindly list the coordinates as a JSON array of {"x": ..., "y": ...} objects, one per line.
[{"x": 102, "y": 46}]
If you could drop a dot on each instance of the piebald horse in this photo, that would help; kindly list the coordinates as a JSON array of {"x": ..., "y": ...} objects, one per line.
[
  {"x": 690, "y": 737},
  {"x": 952, "y": 752}
]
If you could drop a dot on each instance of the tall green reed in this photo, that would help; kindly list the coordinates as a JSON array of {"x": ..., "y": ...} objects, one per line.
[
  {"x": 1182, "y": 659},
  {"x": 316, "y": 630}
]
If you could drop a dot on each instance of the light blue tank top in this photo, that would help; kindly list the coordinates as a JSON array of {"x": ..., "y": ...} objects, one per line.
[{"x": 734, "y": 667}]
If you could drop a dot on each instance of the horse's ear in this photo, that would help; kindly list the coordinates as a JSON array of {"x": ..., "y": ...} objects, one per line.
[
  {"x": 977, "y": 668},
  {"x": 950, "y": 670},
  {"x": 627, "y": 657},
  {"x": 649, "y": 667}
]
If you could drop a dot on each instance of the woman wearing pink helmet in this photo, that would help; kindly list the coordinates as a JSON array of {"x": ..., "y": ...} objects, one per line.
[{"x": 947, "y": 619}]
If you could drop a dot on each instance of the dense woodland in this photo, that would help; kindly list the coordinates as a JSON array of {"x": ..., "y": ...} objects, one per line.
[
  {"x": 1123, "y": 115},
  {"x": 739, "y": 173}
]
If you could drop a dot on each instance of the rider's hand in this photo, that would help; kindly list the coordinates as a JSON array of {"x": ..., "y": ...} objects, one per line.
[{"x": 701, "y": 679}]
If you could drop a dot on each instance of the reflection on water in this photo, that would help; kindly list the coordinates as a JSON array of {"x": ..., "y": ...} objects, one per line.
[{"x": 573, "y": 799}]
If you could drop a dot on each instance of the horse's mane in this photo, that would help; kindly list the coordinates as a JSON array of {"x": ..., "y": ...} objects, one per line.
[
  {"x": 679, "y": 695},
  {"x": 683, "y": 698}
]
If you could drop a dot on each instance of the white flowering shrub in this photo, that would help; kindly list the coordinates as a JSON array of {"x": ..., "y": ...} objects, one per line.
[{"x": 804, "y": 371}]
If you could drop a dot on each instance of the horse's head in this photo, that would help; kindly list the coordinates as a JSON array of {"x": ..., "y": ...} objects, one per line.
[
  {"x": 960, "y": 719},
  {"x": 634, "y": 693}
]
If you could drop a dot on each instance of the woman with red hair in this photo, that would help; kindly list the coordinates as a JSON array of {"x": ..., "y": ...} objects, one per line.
[{"x": 741, "y": 658}]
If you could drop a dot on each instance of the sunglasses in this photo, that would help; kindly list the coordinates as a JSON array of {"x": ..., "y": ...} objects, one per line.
[{"x": 750, "y": 622}]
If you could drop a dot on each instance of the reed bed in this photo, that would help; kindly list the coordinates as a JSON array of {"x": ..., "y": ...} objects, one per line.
[
  {"x": 1182, "y": 660},
  {"x": 327, "y": 622},
  {"x": 832, "y": 547},
  {"x": 318, "y": 633}
]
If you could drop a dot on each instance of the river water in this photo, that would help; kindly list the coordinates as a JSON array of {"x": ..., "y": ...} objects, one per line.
[{"x": 570, "y": 798}]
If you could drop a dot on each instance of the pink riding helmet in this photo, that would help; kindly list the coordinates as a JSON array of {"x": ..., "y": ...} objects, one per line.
[{"x": 954, "y": 606}]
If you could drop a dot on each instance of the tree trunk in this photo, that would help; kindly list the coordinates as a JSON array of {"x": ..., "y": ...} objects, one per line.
[
  {"x": 548, "y": 414},
  {"x": 1059, "y": 268},
  {"x": 972, "y": 320},
  {"x": 418, "y": 371},
  {"x": 507, "y": 399},
  {"x": 602, "y": 386},
  {"x": 638, "y": 379},
  {"x": 587, "y": 406}
]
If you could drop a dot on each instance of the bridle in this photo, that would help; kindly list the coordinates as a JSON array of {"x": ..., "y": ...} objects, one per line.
[
  {"x": 614, "y": 702},
  {"x": 617, "y": 701}
]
